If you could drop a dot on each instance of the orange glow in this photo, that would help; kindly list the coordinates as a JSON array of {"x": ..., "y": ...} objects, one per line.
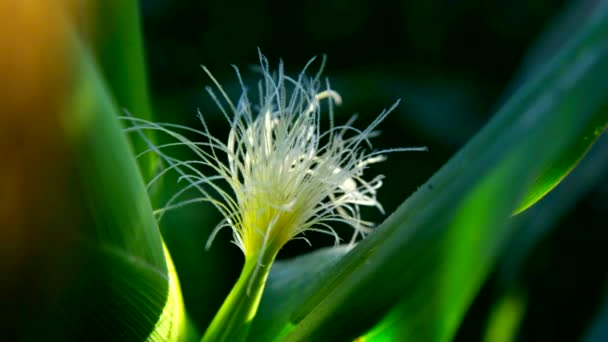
[{"x": 36, "y": 72}]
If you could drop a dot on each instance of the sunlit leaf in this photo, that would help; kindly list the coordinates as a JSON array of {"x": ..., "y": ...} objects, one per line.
[
  {"x": 506, "y": 317},
  {"x": 135, "y": 287},
  {"x": 97, "y": 269}
]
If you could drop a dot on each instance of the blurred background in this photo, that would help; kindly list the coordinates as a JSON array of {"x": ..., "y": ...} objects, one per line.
[{"x": 452, "y": 64}]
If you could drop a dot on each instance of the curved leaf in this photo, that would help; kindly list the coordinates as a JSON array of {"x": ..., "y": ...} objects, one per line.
[
  {"x": 101, "y": 270},
  {"x": 557, "y": 170},
  {"x": 131, "y": 272}
]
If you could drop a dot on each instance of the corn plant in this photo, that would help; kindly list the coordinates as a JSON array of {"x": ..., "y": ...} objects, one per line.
[{"x": 83, "y": 254}]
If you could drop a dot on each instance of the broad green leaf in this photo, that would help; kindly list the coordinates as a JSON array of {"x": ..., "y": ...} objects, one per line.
[
  {"x": 119, "y": 49},
  {"x": 543, "y": 218},
  {"x": 426, "y": 254},
  {"x": 136, "y": 289},
  {"x": 460, "y": 257},
  {"x": 575, "y": 15},
  {"x": 117, "y": 282}
]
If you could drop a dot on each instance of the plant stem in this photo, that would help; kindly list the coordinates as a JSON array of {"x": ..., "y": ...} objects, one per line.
[{"x": 233, "y": 320}]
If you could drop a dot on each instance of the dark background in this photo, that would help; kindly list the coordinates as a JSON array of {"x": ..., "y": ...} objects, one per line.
[{"x": 452, "y": 63}]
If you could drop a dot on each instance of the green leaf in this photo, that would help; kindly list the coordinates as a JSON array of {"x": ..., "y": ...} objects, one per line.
[
  {"x": 538, "y": 222},
  {"x": 119, "y": 50},
  {"x": 533, "y": 226},
  {"x": 506, "y": 318},
  {"x": 123, "y": 286},
  {"x": 557, "y": 170},
  {"x": 433, "y": 253}
]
